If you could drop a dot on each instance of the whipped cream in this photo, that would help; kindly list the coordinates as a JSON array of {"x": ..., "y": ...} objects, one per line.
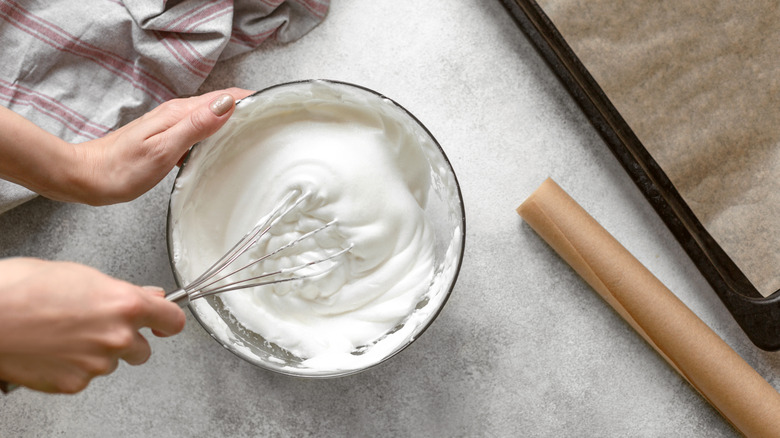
[{"x": 356, "y": 160}]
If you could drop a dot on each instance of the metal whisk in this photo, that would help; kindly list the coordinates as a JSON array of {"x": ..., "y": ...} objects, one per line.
[{"x": 215, "y": 281}]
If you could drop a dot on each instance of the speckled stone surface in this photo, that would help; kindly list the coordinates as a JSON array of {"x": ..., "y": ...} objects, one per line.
[{"x": 523, "y": 347}]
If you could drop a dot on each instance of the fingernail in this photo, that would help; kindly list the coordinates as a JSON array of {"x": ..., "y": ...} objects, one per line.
[
  {"x": 221, "y": 104},
  {"x": 155, "y": 289}
]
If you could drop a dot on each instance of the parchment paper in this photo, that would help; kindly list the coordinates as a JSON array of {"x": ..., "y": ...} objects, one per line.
[
  {"x": 702, "y": 358},
  {"x": 698, "y": 82}
]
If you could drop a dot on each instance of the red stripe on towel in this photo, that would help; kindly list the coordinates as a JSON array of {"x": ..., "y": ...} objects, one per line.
[
  {"x": 56, "y": 37},
  {"x": 51, "y": 107}
]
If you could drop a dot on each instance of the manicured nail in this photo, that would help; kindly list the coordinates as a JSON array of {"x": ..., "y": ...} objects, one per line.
[{"x": 222, "y": 104}]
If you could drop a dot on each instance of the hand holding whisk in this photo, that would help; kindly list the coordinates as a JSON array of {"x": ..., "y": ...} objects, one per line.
[{"x": 221, "y": 276}]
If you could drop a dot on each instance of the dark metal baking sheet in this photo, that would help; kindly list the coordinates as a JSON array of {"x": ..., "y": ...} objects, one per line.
[{"x": 757, "y": 315}]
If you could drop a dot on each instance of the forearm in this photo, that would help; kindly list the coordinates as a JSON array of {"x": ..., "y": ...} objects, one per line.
[{"x": 32, "y": 157}]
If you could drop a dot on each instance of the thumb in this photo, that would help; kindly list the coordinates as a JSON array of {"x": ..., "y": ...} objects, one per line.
[
  {"x": 202, "y": 121},
  {"x": 154, "y": 290}
]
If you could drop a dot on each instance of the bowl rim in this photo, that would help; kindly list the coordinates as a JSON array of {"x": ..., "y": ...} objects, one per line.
[{"x": 433, "y": 316}]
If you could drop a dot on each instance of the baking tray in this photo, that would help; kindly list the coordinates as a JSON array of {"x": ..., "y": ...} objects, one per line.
[{"x": 756, "y": 314}]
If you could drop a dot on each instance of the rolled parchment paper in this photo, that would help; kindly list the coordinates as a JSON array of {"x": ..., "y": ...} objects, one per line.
[{"x": 701, "y": 357}]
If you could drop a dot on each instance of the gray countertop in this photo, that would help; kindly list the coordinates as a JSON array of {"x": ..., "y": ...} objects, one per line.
[{"x": 523, "y": 347}]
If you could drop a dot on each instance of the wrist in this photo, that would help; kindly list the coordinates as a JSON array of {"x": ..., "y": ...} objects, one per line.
[
  {"x": 74, "y": 177},
  {"x": 76, "y": 180},
  {"x": 32, "y": 157},
  {"x": 63, "y": 179},
  {"x": 46, "y": 170}
]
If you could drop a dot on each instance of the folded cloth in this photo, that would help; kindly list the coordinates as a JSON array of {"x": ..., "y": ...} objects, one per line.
[{"x": 80, "y": 69}]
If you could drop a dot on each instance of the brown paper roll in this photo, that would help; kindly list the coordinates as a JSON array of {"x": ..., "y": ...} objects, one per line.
[{"x": 728, "y": 383}]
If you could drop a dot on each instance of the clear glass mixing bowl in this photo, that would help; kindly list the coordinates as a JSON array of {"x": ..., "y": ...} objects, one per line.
[{"x": 444, "y": 210}]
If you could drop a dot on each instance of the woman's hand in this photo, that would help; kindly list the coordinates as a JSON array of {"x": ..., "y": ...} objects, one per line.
[
  {"x": 131, "y": 160},
  {"x": 64, "y": 324},
  {"x": 118, "y": 167}
]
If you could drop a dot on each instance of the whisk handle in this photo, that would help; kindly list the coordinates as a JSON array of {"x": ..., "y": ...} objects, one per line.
[{"x": 179, "y": 296}]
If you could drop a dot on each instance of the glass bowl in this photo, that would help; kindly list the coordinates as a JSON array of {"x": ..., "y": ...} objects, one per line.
[{"x": 443, "y": 209}]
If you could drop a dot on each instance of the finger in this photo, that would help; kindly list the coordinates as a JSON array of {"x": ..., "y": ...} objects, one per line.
[
  {"x": 110, "y": 368},
  {"x": 202, "y": 121},
  {"x": 164, "y": 317},
  {"x": 51, "y": 376},
  {"x": 194, "y": 124},
  {"x": 96, "y": 365},
  {"x": 206, "y": 115},
  {"x": 170, "y": 113},
  {"x": 154, "y": 290},
  {"x": 160, "y": 293},
  {"x": 159, "y": 334},
  {"x": 139, "y": 351},
  {"x": 198, "y": 116},
  {"x": 238, "y": 93}
]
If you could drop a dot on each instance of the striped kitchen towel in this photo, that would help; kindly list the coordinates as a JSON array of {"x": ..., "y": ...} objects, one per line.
[{"x": 82, "y": 68}]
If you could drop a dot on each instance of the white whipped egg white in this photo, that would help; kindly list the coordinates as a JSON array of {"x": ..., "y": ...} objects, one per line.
[{"x": 359, "y": 165}]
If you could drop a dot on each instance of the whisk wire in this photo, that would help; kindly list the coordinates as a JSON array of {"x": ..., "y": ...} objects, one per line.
[
  {"x": 271, "y": 254},
  {"x": 213, "y": 281},
  {"x": 248, "y": 240},
  {"x": 245, "y": 283}
]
